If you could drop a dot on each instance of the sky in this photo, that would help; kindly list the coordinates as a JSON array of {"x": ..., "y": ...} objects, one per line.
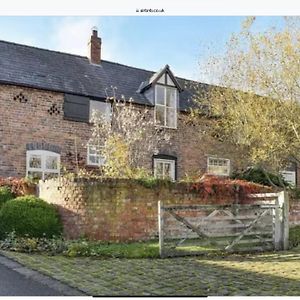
[{"x": 147, "y": 42}]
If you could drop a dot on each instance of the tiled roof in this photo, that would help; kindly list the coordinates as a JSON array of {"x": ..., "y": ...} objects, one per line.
[{"x": 68, "y": 73}]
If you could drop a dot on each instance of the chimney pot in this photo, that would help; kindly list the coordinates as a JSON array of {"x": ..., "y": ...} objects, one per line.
[{"x": 94, "y": 47}]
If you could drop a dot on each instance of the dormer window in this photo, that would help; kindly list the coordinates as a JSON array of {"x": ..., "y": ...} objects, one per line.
[
  {"x": 162, "y": 90},
  {"x": 166, "y": 106}
]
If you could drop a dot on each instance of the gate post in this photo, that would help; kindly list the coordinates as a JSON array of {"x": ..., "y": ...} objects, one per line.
[
  {"x": 282, "y": 222},
  {"x": 161, "y": 228},
  {"x": 285, "y": 223}
]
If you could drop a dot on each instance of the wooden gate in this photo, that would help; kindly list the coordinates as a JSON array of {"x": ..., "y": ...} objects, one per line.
[{"x": 194, "y": 229}]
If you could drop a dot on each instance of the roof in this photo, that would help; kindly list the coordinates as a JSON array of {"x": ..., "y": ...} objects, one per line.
[
  {"x": 56, "y": 71},
  {"x": 156, "y": 76}
]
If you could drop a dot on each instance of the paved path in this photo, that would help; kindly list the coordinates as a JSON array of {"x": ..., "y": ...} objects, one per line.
[
  {"x": 17, "y": 280},
  {"x": 269, "y": 274}
]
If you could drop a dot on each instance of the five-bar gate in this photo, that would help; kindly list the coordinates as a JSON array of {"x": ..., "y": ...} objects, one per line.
[{"x": 194, "y": 229}]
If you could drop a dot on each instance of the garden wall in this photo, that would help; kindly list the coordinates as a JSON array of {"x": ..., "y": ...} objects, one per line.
[{"x": 118, "y": 210}]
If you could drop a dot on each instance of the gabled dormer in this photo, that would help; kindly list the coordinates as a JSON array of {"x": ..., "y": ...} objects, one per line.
[{"x": 163, "y": 90}]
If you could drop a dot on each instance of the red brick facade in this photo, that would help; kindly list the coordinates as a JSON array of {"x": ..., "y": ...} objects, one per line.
[{"x": 32, "y": 116}]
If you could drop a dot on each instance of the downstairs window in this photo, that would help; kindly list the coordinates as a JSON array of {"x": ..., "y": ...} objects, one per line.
[
  {"x": 218, "y": 166},
  {"x": 94, "y": 157},
  {"x": 42, "y": 164},
  {"x": 164, "y": 168}
]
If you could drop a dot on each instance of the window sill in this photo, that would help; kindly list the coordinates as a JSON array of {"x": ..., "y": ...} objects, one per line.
[
  {"x": 93, "y": 166},
  {"x": 219, "y": 175},
  {"x": 166, "y": 127}
]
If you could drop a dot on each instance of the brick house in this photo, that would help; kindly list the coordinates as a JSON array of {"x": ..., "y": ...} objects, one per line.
[{"x": 45, "y": 102}]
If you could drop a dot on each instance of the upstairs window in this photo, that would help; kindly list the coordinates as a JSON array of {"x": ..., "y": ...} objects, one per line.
[
  {"x": 218, "y": 166},
  {"x": 102, "y": 107},
  {"x": 165, "y": 106},
  {"x": 42, "y": 164},
  {"x": 94, "y": 156}
]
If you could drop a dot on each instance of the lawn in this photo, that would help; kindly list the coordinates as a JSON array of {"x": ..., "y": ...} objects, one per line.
[{"x": 273, "y": 273}]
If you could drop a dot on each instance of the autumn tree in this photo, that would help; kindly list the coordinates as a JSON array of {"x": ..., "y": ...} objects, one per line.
[
  {"x": 126, "y": 139},
  {"x": 256, "y": 99}
]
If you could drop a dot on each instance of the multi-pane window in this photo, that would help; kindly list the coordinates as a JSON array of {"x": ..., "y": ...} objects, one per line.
[
  {"x": 166, "y": 106},
  {"x": 218, "y": 166},
  {"x": 164, "y": 168},
  {"x": 94, "y": 156},
  {"x": 104, "y": 108},
  {"x": 289, "y": 176},
  {"x": 42, "y": 164}
]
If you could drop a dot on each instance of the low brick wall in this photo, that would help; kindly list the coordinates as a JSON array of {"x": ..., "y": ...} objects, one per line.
[{"x": 118, "y": 210}]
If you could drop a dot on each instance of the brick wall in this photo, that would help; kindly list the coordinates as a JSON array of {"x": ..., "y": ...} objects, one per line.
[
  {"x": 30, "y": 122},
  {"x": 118, "y": 210},
  {"x": 25, "y": 118}
]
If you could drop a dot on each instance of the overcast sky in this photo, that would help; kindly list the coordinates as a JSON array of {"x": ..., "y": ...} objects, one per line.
[{"x": 144, "y": 42}]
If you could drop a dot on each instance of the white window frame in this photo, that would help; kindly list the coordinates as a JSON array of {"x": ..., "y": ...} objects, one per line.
[
  {"x": 43, "y": 154},
  {"x": 108, "y": 112},
  {"x": 286, "y": 174},
  {"x": 99, "y": 156},
  {"x": 165, "y": 106},
  {"x": 164, "y": 161},
  {"x": 210, "y": 167}
]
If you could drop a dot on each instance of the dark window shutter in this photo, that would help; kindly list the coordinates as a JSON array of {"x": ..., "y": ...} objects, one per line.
[{"x": 76, "y": 108}]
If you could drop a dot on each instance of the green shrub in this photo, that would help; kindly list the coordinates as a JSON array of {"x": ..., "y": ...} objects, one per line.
[
  {"x": 257, "y": 175},
  {"x": 29, "y": 245},
  {"x": 152, "y": 182},
  {"x": 294, "y": 193},
  {"x": 29, "y": 216},
  {"x": 113, "y": 250},
  {"x": 294, "y": 236},
  {"x": 5, "y": 195}
]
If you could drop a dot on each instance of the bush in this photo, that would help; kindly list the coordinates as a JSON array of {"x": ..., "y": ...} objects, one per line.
[
  {"x": 29, "y": 245},
  {"x": 294, "y": 236},
  {"x": 29, "y": 216},
  {"x": 80, "y": 248},
  {"x": 5, "y": 195},
  {"x": 83, "y": 248},
  {"x": 294, "y": 193},
  {"x": 152, "y": 182},
  {"x": 257, "y": 175}
]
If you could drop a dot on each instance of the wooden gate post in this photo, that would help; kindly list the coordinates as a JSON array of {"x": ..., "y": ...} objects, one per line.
[
  {"x": 285, "y": 223},
  {"x": 281, "y": 237},
  {"x": 160, "y": 228}
]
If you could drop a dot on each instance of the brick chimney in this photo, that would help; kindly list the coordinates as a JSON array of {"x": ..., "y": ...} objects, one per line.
[{"x": 94, "y": 47}]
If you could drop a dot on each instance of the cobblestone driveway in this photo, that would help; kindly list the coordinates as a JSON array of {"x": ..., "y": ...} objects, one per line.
[{"x": 268, "y": 274}]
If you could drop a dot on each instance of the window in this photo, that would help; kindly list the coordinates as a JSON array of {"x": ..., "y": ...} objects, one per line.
[
  {"x": 166, "y": 106},
  {"x": 289, "y": 176},
  {"x": 103, "y": 107},
  {"x": 94, "y": 157},
  {"x": 218, "y": 166},
  {"x": 42, "y": 164},
  {"x": 164, "y": 168}
]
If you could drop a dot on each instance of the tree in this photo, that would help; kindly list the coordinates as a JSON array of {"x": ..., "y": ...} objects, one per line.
[
  {"x": 127, "y": 139},
  {"x": 257, "y": 98}
]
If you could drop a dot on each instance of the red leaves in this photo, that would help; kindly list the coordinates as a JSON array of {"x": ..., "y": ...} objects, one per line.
[
  {"x": 223, "y": 189},
  {"x": 18, "y": 186}
]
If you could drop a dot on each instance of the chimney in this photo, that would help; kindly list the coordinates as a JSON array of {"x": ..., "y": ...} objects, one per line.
[{"x": 94, "y": 47}]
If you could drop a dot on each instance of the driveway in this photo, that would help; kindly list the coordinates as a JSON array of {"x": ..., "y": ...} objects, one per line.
[
  {"x": 273, "y": 274},
  {"x": 17, "y": 280}
]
